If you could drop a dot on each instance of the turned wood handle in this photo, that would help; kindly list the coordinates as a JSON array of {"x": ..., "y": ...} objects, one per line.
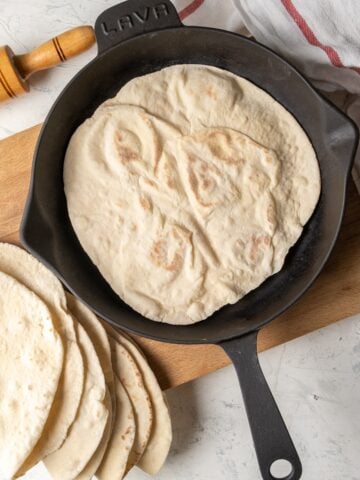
[{"x": 55, "y": 51}]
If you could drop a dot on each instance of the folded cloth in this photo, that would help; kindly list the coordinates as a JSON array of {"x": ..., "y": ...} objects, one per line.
[
  {"x": 210, "y": 13},
  {"x": 320, "y": 37}
]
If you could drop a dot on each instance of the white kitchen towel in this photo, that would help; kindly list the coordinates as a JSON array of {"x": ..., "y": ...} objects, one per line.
[{"x": 320, "y": 37}]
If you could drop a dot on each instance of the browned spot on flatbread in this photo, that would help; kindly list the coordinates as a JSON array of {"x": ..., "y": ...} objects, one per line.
[
  {"x": 169, "y": 177},
  {"x": 149, "y": 182},
  {"x": 216, "y": 138},
  {"x": 192, "y": 177},
  {"x": 206, "y": 183},
  {"x": 210, "y": 92},
  {"x": 145, "y": 203},
  {"x": 213, "y": 133},
  {"x": 126, "y": 154},
  {"x": 159, "y": 257},
  {"x": 170, "y": 183},
  {"x": 193, "y": 180},
  {"x": 256, "y": 243},
  {"x": 180, "y": 233},
  {"x": 269, "y": 158},
  {"x": 271, "y": 214},
  {"x": 159, "y": 250}
]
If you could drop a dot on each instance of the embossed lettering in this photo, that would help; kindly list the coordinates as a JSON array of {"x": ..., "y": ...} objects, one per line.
[
  {"x": 142, "y": 18},
  {"x": 161, "y": 10},
  {"x": 125, "y": 22},
  {"x": 106, "y": 30},
  {"x": 132, "y": 19}
]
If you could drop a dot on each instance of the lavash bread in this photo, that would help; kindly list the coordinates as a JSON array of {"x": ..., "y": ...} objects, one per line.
[
  {"x": 130, "y": 376},
  {"x": 188, "y": 189},
  {"x": 160, "y": 439},
  {"x": 99, "y": 339},
  {"x": 31, "y": 358},
  {"x": 36, "y": 277},
  {"x": 115, "y": 460},
  {"x": 88, "y": 427},
  {"x": 92, "y": 466}
]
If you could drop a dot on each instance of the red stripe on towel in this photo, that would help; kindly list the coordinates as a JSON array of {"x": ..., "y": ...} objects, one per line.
[
  {"x": 310, "y": 36},
  {"x": 191, "y": 8}
]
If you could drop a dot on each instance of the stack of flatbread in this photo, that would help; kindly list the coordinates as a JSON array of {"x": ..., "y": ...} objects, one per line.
[{"x": 75, "y": 394}]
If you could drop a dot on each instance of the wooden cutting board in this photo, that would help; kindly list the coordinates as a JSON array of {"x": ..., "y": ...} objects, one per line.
[{"x": 335, "y": 295}]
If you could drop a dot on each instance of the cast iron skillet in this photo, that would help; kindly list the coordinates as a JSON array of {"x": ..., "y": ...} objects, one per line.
[{"x": 141, "y": 36}]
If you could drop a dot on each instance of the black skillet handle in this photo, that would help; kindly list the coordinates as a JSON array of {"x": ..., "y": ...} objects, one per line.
[
  {"x": 271, "y": 438},
  {"x": 132, "y": 18}
]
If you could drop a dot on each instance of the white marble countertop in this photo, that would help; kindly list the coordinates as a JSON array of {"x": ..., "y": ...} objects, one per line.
[{"x": 315, "y": 379}]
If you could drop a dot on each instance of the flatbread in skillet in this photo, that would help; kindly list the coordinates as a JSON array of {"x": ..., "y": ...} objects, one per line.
[{"x": 188, "y": 189}]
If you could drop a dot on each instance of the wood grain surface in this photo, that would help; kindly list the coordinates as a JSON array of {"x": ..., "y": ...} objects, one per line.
[
  {"x": 56, "y": 50},
  {"x": 16, "y": 69},
  {"x": 335, "y": 295}
]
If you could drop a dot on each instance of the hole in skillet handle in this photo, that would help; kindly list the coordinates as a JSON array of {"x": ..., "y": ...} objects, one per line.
[
  {"x": 132, "y": 18},
  {"x": 281, "y": 469},
  {"x": 271, "y": 438}
]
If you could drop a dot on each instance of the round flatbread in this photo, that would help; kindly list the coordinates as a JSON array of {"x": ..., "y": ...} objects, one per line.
[
  {"x": 130, "y": 376},
  {"x": 158, "y": 446},
  {"x": 188, "y": 189},
  {"x": 99, "y": 339},
  {"x": 93, "y": 465},
  {"x": 87, "y": 430},
  {"x": 30, "y": 272},
  {"x": 31, "y": 359},
  {"x": 114, "y": 463}
]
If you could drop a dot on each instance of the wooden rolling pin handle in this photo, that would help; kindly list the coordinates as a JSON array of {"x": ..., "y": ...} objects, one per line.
[{"x": 55, "y": 51}]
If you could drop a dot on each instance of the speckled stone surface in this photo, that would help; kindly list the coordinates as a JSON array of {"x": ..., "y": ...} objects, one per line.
[{"x": 315, "y": 379}]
